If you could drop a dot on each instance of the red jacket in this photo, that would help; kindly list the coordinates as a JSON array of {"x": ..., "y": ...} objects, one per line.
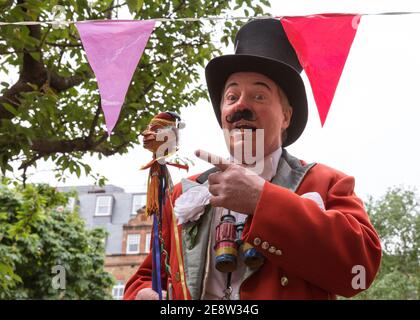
[{"x": 310, "y": 253}]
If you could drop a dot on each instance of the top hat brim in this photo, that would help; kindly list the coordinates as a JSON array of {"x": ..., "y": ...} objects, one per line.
[{"x": 220, "y": 68}]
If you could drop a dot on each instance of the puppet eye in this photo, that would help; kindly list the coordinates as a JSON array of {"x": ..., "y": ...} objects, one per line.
[{"x": 165, "y": 130}]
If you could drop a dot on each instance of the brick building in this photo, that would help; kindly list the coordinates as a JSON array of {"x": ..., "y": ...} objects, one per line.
[
  {"x": 135, "y": 247},
  {"x": 122, "y": 215}
]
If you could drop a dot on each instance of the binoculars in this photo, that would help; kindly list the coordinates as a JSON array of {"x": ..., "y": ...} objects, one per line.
[{"x": 229, "y": 243}]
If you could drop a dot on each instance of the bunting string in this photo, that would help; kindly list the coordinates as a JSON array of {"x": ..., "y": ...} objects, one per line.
[
  {"x": 318, "y": 39},
  {"x": 210, "y": 18}
]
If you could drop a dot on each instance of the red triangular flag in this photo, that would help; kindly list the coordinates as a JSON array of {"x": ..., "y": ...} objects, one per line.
[
  {"x": 322, "y": 44},
  {"x": 113, "y": 49}
]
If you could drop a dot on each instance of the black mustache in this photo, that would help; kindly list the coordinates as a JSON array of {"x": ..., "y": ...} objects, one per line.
[{"x": 245, "y": 114}]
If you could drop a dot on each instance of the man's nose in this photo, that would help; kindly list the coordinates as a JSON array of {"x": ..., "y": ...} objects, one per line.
[{"x": 242, "y": 104}]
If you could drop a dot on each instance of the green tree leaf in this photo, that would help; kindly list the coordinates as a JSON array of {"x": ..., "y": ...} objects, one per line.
[
  {"x": 396, "y": 218},
  {"x": 38, "y": 234}
]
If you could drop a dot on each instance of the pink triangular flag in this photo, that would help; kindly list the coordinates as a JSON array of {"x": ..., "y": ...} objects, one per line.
[
  {"x": 113, "y": 49},
  {"x": 322, "y": 44}
]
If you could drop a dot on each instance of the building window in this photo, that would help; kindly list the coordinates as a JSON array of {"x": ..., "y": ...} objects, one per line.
[
  {"x": 103, "y": 206},
  {"x": 139, "y": 201},
  {"x": 147, "y": 244},
  {"x": 133, "y": 243},
  {"x": 118, "y": 290}
]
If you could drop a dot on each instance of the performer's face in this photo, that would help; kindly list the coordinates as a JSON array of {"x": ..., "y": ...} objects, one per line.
[{"x": 268, "y": 110}]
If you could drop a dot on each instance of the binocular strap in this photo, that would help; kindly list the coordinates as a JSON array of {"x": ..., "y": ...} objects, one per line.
[{"x": 228, "y": 291}]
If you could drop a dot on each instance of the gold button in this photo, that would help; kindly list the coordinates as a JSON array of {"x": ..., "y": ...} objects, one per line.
[
  {"x": 177, "y": 277},
  {"x": 284, "y": 281},
  {"x": 257, "y": 241},
  {"x": 265, "y": 245},
  {"x": 272, "y": 249},
  {"x": 278, "y": 252}
]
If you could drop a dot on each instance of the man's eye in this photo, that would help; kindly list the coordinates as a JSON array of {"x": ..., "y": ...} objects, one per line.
[
  {"x": 231, "y": 98},
  {"x": 259, "y": 97}
]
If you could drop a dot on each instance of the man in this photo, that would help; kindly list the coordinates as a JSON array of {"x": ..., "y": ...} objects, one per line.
[{"x": 309, "y": 232}]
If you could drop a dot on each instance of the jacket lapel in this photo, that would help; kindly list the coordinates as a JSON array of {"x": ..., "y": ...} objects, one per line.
[
  {"x": 290, "y": 172},
  {"x": 195, "y": 241}
]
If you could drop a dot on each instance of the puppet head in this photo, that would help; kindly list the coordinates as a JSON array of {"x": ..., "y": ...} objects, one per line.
[{"x": 162, "y": 134}]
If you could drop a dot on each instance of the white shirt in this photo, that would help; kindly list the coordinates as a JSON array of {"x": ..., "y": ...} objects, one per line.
[{"x": 215, "y": 281}]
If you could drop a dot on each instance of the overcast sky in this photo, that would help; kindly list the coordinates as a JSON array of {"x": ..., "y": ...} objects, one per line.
[{"x": 373, "y": 126}]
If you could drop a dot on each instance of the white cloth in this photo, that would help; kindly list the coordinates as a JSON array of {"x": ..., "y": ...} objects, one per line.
[
  {"x": 189, "y": 206},
  {"x": 315, "y": 196}
]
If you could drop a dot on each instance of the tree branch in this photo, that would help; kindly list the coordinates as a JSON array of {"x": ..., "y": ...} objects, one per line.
[
  {"x": 60, "y": 83},
  {"x": 4, "y": 52},
  {"x": 32, "y": 71},
  {"x": 41, "y": 44},
  {"x": 26, "y": 164},
  {"x": 63, "y": 45},
  {"x": 38, "y": 78},
  {"x": 94, "y": 122},
  {"x": 13, "y": 94},
  {"x": 46, "y": 147},
  {"x": 177, "y": 8},
  {"x": 112, "y": 7}
]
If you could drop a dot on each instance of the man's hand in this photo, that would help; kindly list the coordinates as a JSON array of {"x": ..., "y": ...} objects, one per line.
[
  {"x": 149, "y": 294},
  {"x": 234, "y": 187}
]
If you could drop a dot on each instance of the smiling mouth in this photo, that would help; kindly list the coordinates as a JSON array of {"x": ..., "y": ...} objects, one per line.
[{"x": 243, "y": 127}]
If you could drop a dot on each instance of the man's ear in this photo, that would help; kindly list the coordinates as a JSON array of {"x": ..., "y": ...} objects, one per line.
[{"x": 287, "y": 114}]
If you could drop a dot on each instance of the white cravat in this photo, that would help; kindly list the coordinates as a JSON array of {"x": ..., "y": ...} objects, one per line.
[{"x": 215, "y": 281}]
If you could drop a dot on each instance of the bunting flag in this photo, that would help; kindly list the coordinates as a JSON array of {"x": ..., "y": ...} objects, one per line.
[
  {"x": 113, "y": 49},
  {"x": 322, "y": 44}
]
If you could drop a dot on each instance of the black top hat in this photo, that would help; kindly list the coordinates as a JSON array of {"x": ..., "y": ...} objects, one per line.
[{"x": 262, "y": 46}]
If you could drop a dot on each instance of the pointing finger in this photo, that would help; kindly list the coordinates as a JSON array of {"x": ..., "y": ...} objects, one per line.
[{"x": 215, "y": 160}]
